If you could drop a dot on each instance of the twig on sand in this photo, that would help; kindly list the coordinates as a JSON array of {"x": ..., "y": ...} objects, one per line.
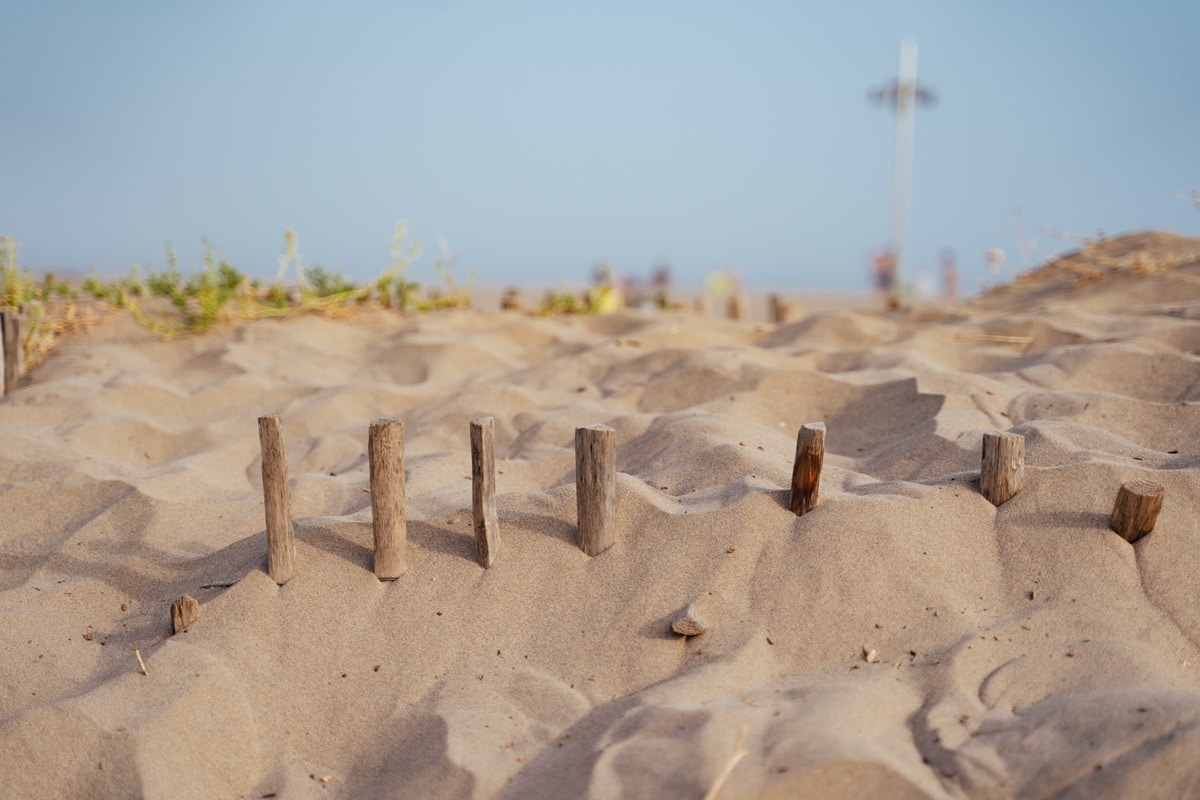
[
  {"x": 989, "y": 337},
  {"x": 738, "y": 755},
  {"x": 219, "y": 585},
  {"x": 141, "y": 664}
]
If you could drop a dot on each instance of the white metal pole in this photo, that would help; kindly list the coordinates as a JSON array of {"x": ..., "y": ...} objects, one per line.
[{"x": 906, "y": 100}]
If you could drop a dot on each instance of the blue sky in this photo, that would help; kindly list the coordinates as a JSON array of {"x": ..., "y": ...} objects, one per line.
[{"x": 542, "y": 138}]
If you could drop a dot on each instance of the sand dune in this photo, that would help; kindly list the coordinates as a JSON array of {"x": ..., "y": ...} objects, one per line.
[{"x": 1019, "y": 651}]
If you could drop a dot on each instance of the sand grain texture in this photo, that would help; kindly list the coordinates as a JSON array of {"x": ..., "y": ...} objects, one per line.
[{"x": 1021, "y": 651}]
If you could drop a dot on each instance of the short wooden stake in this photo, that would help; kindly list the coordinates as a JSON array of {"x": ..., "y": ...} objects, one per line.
[
  {"x": 737, "y": 306},
  {"x": 281, "y": 538},
  {"x": 4, "y": 388},
  {"x": 776, "y": 309},
  {"x": 806, "y": 471},
  {"x": 511, "y": 300},
  {"x": 385, "y": 451},
  {"x": 1136, "y": 509},
  {"x": 184, "y": 612},
  {"x": 596, "y": 487},
  {"x": 1003, "y": 468},
  {"x": 483, "y": 490},
  {"x": 10, "y": 331}
]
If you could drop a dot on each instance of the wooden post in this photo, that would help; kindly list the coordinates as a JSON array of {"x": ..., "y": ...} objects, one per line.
[
  {"x": 1136, "y": 509},
  {"x": 737, "y": 306},
  {"x": 385, "y": 451},
  {"x": 806, "y": 471},
  {"x": 10, "y": 331},
  {"x": 4, "y": 347},
  {"x": 1003, "y": 469},
  {"x": 281, "y": 538},
  {"x": 483, "y": 490},
  {"x": 776, "y": 309},
  {"x": 184, "y": 612},
  {"x": 596, "y": 486},
  {"x": 511, "y": 300}
]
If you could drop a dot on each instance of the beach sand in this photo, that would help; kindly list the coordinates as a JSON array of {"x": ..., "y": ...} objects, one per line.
[{"x": 905, "y": 638}]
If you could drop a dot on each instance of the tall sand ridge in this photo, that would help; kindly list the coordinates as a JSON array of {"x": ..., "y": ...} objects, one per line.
[{"x": 903, "y": 638}]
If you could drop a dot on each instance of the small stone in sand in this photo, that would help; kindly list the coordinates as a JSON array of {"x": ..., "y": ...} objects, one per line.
[{"x": 689, "y": 623}]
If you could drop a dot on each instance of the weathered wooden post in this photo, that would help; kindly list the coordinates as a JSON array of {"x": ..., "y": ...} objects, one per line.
[
  {"x": 483, "y": 490},
  {"x": 806, "y": 471},
  {"x": 737, "y": 305},
  {"x": 596, "y": 487},
  {"x": 1136, "y": 510},
  {"x": 385, "y": 452},
  {"x": 777, "y": 311},
  {"x": 184, "y": 612},
  {"x": 1002, "y": 472},
  {"x": 10, "y": 332},
  {"x": 281, "y": 538},
  {"x": 511, "y": 300},
  {"x": 4, "y": 347}
]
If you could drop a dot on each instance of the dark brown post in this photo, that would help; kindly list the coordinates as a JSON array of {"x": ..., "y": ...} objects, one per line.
[
  {"x": 737, "y": 305},
  {"x": 483, "y": 490},
  {"x": 806, "y": 471},
  {"x": 281, "y": 538},
  {"x": 10, "y": 330},
  {"x": 776, "y": 309},
  {"x": 184, "y": 612},
  {"x": 511, "y": 300},
  {"x": 1136, "y": 510},
  {"x": 596, "y": 487},
  {"x": 385, "y": 452},
  {"x": 1003, "y": 468}
]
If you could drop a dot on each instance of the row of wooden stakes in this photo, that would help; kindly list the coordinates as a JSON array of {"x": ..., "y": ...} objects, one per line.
[{"x": 1002, "y": 475}]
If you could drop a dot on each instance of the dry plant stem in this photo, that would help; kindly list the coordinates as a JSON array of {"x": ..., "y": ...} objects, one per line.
[
  {"x": 1136, "y": 509},
  {"x": 141, "y": 664},
  {"x": 989, "y": 337},
  {"x": 738, "y": 754},
  {"x": 806, "y": 471},
  {"x": 385, "y": 451},
  {"x": 596, "y": 487},
  {"x": 1002, "y": 472},
  {"x": 281, "y": 538},
  {"x": 483, "y": 490}
]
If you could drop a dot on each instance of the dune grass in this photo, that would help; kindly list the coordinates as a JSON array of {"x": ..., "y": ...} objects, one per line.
[{"x": 176, "y": 302}]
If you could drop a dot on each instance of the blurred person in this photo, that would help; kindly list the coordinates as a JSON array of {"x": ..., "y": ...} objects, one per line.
[
  {"x": 884, "y": 264},
  {"x": 949, "y": 276}
]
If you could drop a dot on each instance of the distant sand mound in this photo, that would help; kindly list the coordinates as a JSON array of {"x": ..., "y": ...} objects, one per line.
[{"x": 1105, "y": 273}]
